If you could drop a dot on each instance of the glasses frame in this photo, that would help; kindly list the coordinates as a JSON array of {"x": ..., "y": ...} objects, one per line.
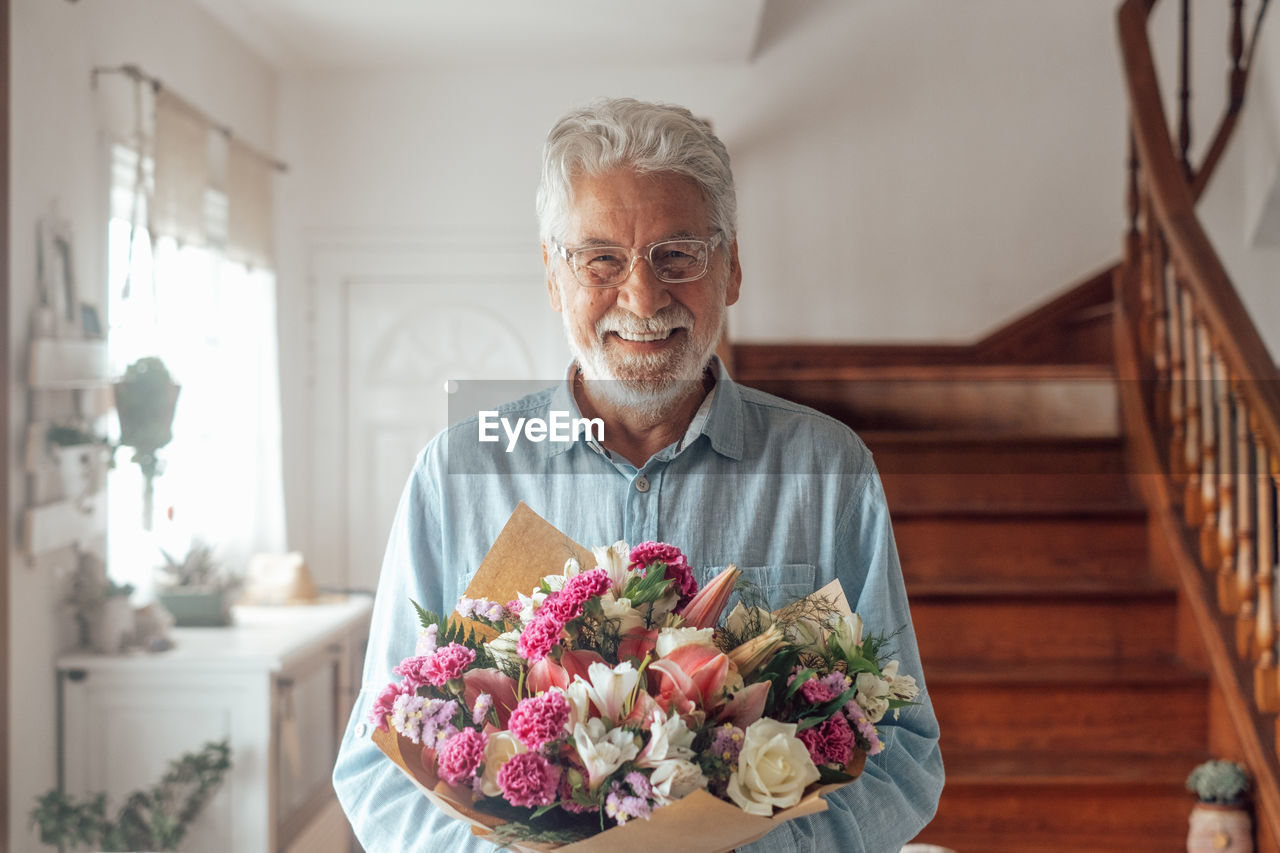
[{"x": 712, "y": 243}]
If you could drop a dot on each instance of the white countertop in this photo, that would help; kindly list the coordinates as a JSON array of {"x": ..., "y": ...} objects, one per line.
[{"x": 259, "y": 638}]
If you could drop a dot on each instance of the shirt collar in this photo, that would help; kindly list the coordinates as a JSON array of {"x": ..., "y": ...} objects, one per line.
[{"x": 719, "y": 417}]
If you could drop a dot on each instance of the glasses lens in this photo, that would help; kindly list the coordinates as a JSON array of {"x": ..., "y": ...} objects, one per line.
[
  {"x": 601, "y": 266},
  {"x": 679, "y": 260}
]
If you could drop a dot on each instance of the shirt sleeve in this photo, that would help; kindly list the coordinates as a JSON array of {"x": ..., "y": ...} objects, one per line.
[
  {"x": 387, "y": 812},
  {"x": 897, "y": 794}
]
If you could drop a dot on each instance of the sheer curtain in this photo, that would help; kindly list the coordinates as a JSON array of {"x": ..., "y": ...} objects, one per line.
[{"x": 213, "y": 322}]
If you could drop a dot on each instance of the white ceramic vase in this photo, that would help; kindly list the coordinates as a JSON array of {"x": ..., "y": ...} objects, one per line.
[{"x": 1215, "y": 829}]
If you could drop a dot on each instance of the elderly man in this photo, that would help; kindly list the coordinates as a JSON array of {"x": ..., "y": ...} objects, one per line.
[{"x": 638, "y": 223}]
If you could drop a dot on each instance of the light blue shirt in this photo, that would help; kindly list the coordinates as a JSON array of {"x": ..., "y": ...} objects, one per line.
[{"x": 788, "y": 494}]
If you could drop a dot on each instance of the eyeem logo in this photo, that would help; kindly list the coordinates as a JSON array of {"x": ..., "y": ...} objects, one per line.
[{"x": 559, "y": 427}]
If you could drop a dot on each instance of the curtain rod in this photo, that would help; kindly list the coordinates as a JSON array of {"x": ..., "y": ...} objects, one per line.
[{"x": 138, "y": 75}]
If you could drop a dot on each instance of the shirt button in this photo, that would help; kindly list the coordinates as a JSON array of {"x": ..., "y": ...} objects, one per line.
[
  {"x": 642, "y": 484},
  {"x": 362, "y": 729}
]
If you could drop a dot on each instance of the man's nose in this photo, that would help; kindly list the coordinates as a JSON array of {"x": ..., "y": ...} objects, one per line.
[{"x": 642, "y": 292}]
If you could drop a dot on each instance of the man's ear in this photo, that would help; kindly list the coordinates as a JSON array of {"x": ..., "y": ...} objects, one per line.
[
  {"x": 735, "y": 275},
  {"x": 553, "y": 291}
]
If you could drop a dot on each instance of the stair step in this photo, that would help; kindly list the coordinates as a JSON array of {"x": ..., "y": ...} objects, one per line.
[
  {"x": 1156, "y": 708},
  {"x": 1062, "y": 802},
  {"x": 1050, "y": 545},
  {"x": 967, "y": 471},
  {"x": 1000, "y": 398},
  {"x": 1023, "y": 622}
]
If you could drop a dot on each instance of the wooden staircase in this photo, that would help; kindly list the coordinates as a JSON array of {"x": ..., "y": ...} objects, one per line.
[{"x": 1048, "y": 632}]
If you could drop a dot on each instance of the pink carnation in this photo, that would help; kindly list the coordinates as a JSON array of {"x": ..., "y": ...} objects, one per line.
[
  {"x": 539, "y": 638},
  {"x": 539, "y": 719},
  {"x": 528, "y": 779},
  {"x": 460, "y": 756},
  {"x": 411, "y": 670},
  {"x": 385, "y": 703},
  {"x": 647, "y": 553},
  {"x": 831, "y": 742},
  {"x": 447, "y": 664}
]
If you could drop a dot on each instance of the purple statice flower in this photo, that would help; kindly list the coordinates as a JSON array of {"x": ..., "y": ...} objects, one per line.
[
  {"x": 384, "y": 705},
  {"x": 481, "y": 709},
  {"x": 622, "y": 807},
  {"x": 819, "y": 691},
  {"x": 495, "y": 612},
  {"x": 466, "y": 607},
  {"x": 639, "y": 784},
  {"x": 406, "y": 716},
  {"x": 727, "y": 743},
  {"x": 865, "y": 728},
  {"x": 427, "y": 641}
]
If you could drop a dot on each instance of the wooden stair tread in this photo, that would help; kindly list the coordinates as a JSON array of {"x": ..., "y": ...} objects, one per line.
[
  {"x": 973, "y": 588},
  {"x": 1153, "y": 672},
  {"x": 935, "y": 372},
  {"x": 987, "y": 767},
  {"x": 1123, "y": 508}
]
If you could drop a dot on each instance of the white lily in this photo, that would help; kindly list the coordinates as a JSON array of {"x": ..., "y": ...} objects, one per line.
[
  {"x": 614, "y": 560},
  {"x": 579, "y": 697},
  {"x": 669, "y": 739},
  {"x": 621, "y": 610},
  {"x": 873, "y": 694},
  {"x": 610, "y": 688},
  {"x": 603, "y": 750},
  {"x": 847, "y": 630}
]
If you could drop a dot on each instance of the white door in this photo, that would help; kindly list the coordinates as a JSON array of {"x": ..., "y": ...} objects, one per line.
[{"x": 402, "y": 326}]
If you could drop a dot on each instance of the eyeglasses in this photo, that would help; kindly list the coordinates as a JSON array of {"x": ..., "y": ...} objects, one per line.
[{"x": 672, "y": 261}]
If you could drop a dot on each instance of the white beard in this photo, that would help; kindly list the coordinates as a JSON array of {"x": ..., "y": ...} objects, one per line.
[{"x": 651, "y": 385}]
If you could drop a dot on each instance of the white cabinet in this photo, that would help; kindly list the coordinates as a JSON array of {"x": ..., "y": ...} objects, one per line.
[{"x": 278, "y": 685}]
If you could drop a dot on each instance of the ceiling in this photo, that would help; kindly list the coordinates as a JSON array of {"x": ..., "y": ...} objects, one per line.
[{"x": 406, "y": 34}]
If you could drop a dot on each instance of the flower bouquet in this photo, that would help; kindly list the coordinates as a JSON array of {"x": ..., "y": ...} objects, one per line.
[{"x": 570, "y": 704}]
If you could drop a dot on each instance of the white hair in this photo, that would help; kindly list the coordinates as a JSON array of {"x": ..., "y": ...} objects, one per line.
[{"x": 614, "y": 132}]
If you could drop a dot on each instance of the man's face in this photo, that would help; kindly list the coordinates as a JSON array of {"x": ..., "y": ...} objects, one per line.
[{"x": 646, "y": 334}]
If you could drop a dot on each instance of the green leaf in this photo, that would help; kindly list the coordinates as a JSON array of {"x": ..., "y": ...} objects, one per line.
[
  {"x": 647, "y": 589},
  {"x": 829, "y": 775},
  {"x": 803, "y": 676},
  {"x": 541, "y": 810}
]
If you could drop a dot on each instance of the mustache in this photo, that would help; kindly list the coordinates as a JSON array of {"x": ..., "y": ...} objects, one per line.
[{"x": 616, "y": 319}]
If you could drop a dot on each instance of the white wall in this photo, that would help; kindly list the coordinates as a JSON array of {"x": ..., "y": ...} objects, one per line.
[
  {"x": 907, "y": 169},
  {"x": 57, "y": 158}
]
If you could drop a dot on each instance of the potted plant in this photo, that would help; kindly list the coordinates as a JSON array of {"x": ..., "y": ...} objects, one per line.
[
  {"x": 154, "y": 819},
  {"x": 103, "y": 613},
  {"x": 146, "y": 398},
  {"x": 195, "y": 589},
  {"x": 1220, "y": 819},
  {"x": 80, "y": 455}
]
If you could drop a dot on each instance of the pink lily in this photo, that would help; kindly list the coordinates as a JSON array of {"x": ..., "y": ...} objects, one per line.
[
  {"x": 546, "y": 674},
  {"x": 501, "y": 687},
  {"x": 691, "y": 673},
  {"x": 636, "y": 644},
  {"x": 704, "y": 609},
  {"x": 576, "y": 663},
  {"x": 746, "y": 706}
]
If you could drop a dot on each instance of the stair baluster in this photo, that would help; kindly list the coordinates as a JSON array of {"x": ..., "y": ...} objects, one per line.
[
  {"x": 1265, "y": 693},
  {"x": 1210, "y": 558},
  {"x": 1177, "y": 390},
  {"x": 1245, "y": 568},
  {"x": 1191, "y": 452}
]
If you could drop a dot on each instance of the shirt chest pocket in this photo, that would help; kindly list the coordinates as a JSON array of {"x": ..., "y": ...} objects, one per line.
[{"x": 779, "y": 585}]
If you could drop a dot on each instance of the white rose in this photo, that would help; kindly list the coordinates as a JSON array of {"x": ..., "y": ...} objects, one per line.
[
  {"x": 674, "y": 638},
  {"x": 498, "y": 750},
  {"x": 774, "y": 768}
]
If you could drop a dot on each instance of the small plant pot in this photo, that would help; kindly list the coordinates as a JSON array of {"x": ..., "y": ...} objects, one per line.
[
  {"x": 111, "y": 625},
  {"x": 198, "y": 607},
  {"x": 1216, "y": 828}
]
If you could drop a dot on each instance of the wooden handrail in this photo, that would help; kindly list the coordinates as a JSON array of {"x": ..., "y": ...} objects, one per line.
[
  {"x": 1207, "y": 420},
  {"x": 1228, "y": 320}
]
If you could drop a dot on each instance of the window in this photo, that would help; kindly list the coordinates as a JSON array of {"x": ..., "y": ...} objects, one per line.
[{"x": 213, "y": 322}]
